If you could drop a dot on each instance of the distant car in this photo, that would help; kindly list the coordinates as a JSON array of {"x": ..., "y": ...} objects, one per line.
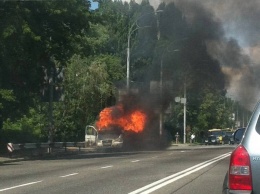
[
  {"x": 212, "y": 139},
  {"x": 231, "y": 140},
  {"x": 228, "y": 138},
  {"x": 243, "y": 174}
]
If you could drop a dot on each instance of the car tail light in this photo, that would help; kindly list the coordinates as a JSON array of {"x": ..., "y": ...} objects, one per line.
[{"x": 240, "y": 177}]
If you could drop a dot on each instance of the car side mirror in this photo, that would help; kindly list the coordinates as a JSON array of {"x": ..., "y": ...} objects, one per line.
[
  {"x": 257, "y": 127},
  {"x": 236, "y": 137}
]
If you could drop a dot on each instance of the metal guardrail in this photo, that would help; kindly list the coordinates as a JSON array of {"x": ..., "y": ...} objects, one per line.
[{"x": 33, "y": 147}]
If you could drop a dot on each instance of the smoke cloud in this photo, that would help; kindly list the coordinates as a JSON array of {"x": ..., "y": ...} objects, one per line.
[
  {"x": 236, "y": 44},
  {"x": 233, "y": 41},
  {"x": 239, "y": 49}
]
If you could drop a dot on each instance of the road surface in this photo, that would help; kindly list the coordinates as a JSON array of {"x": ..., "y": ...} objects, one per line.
[{"x": 179, "y": 171}]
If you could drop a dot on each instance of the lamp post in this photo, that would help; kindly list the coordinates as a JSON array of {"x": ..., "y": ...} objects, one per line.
[
  {"x": 161, "y": 90},
  {"x": 184, "y": 113},
  {"x": 184, "y": 102},
  {"x": 130, "y": 32}
]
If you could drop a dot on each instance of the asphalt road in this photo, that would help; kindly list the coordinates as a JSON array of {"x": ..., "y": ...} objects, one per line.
[{"x": 199, "y": 170}]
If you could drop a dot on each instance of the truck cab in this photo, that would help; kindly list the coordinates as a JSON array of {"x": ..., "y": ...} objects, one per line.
[
  {"x": 103, "y": 138},
  {"x": 109, "y": 139}
]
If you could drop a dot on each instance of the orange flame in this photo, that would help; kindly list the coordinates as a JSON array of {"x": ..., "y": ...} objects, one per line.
[{"x": 115, "y": 116}]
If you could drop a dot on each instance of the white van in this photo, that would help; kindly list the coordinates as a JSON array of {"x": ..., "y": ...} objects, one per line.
[{"x": 106, "y": 138}]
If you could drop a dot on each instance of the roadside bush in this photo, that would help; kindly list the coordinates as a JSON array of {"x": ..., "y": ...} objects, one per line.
[{"x": 29, "y": 129}]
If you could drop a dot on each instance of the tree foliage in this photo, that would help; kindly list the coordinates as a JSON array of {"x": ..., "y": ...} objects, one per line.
[
  {"x": 28, "y": 129},
  {"x": 30, "y": 32},
  {"x": 89, "y": 87}
]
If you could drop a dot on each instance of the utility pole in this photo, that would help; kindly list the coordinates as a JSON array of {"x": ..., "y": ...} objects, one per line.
[
  {"x": 51, "y": 84},
  {"x": 161, "y": 90},
  {"x": 161, "y": 80},
  {"x": 184, "y": 102},
  {"x": 184, "y": 113}
]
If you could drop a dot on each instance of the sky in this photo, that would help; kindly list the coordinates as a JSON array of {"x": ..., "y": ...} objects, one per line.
[{"x": 94, "y": 5}]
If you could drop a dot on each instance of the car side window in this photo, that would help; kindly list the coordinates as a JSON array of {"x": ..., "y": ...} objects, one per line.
[{"x": 257, "y": 127}]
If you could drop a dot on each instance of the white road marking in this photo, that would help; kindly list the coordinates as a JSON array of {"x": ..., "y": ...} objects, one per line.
[
  {"x": 135, "y": 161},
  {"x": 69, "y": 175},
  {"x": 23, "y": 185},
  {"x": 174, "y": 177},
  {"x": 107, "y": 167}
]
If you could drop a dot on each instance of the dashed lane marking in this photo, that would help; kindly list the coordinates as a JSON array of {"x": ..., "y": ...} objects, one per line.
[
  {"x": 69, "y": 175},
  {"x": 23, "y": 185},
  {"x": 107, "y": 167}
]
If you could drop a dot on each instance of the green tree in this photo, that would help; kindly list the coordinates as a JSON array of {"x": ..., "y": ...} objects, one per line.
[
  {"x": 30, "y": 32},
  {"x": 89, "y": 87},
  {"x": 213, "y": 112},
  {"x": 114, "y": 16},
  {"x": 29, "y": 128}
]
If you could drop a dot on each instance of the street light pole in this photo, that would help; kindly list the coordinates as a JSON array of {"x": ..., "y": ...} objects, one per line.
[
  {"x": 128, "y": 65},
  {"x": 128, "y": 53},
  {"x": 184, "y": 102},
  {"x": 161, "y": 86},
  {"x": 51, "y": 83},
  {"x": 184, "y": 113}
]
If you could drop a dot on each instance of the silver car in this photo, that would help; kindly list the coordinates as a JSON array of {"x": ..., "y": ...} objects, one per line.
[{"x": 243, "y": 175}]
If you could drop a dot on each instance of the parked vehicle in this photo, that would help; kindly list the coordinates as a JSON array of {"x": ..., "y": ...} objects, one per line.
[
  {"x": 214, "y": 136},
  {"x": 228, "y": 137},
  {"x": 218, "y": 133},
  {"x": 243, "y": 174},
  {"x": 211, "y": 140},
  {"x": 221, "y": 136},
  {"x": 231, "y": 140}
]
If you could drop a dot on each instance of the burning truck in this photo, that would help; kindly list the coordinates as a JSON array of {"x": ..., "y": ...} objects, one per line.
[
  {"x": 114, "y": 126},
  {"x": 127, "y": 125}
]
